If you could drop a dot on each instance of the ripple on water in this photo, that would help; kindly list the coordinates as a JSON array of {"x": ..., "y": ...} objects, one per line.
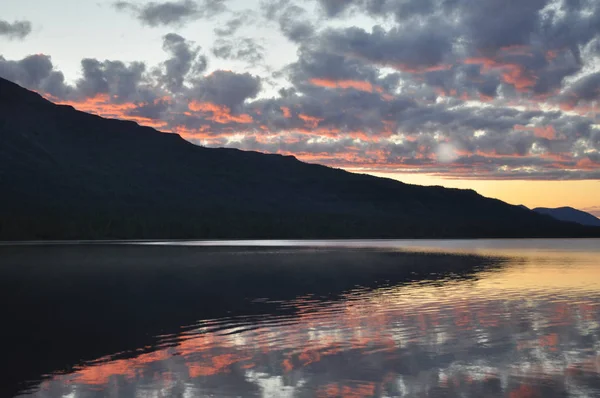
[{"x": 527, "y": 327}]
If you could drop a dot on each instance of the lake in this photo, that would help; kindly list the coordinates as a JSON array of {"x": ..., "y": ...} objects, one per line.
[{"x": 389, "y": 318}]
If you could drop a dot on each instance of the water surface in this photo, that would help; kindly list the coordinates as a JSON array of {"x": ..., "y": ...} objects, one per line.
[{"x": 497, "y": 318}]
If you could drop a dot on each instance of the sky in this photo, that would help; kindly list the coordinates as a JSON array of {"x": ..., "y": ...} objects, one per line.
[{"x": 501, "y": 96}]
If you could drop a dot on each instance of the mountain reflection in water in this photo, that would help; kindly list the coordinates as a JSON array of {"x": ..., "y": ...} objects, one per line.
[{"x": 327, "y": 321}]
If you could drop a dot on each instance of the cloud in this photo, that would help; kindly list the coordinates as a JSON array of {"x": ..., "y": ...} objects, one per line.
[
  {"x": 410, "y": 47},
  {"x": 226, "y": 88},
  {"x": 114, "y": 78},
  {"x": 439, "y": 87},
  {"x": 185, "y": 60},
  {"x": 333, "y": 8},
  {"x": 230, "y": 27},
  {"x": 245, "y": 49},
  {"x": 343, "y": 123},
  {"x": 35, "y": 72},
  {"x": 172, "y": 13},
  {"x": 550, "y": 37},
  {"x": 583, "y": 90},
  {"x": 316, "y": 67},
  {"x": 293, "y": 20},
  {"x": 15, "y": 30}
]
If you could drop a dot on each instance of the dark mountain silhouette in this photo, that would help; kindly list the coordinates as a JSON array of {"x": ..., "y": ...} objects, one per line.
[
  {"x": 66, "y": 174},
  {"x": 570, "y": 214}
]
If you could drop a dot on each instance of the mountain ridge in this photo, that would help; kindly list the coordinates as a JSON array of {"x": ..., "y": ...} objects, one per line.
[
  {"x": 567, "y": 213},
  {"x": 73, "y": 175}
]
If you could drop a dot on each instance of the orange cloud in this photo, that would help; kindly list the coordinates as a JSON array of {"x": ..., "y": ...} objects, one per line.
[
  {"x": 287, "y": 366},
  {"x": 220, "y": 113},
  {"x": 485, "y": 98},
  {"x": 513, "y": 74},
  {"x": 571, "y": 105},
  {"x": 102, "y": 105},
  {"x": 286, "y": 112},
  {"x": 587, "y": 164},
  {"x": 345, "y": 84},
  {"x": 311, "y": 121},
  {"x": 551, "y": 55},
  {"x": 200, "y": 134},
  {"x": 146, "y": 121},
  {"x": 547, "y": 132}
]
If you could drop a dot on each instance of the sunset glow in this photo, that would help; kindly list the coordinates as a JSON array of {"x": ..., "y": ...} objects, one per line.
[{"x": 459, "y": 101}]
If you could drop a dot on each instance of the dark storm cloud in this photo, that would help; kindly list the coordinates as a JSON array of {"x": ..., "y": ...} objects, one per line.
[
  {"x": 318, "y": 67},
  {"x": 408, "y": 47},
  {"x": 185, "y": 59},
  {"x": 226, "y": 88},
  {"x": 35, "y": 72},
  {"x": 245, "y": 49},
  {"x": 584, "y": 89},
  {"x": 529, "y": 46},
  {"x": 333, "y": 8},
  {"x": 156, "y": 110},
  {"x": 172, "y": 12},
  {"x": 15, "y": 30},
  {"x": 485, "y": 22},
  {"x": 114, "y": 78}
]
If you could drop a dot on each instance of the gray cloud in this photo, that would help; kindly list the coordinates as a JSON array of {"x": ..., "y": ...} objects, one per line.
[
  {"x": 226, "y": 88},
  {"x": 409, "y": 47},
  {"x": 333, "y": 8},
  {"x": 232, "y": 25},
  {"x": 543, "y": 38},
  {"x": 329, "y": 65},
  {"x": 293, "y": 20},
  {"x": 35, "y": 72},
  {"x": 584, "y": 89},
  {"x": 484, "y": 82},
  {"x": 15, "y": 30},
  {"x": 122, "y": 82},
  {"x": 295, "y": 25},
  {"x": 355, "y": 127},
  {"x": 185, "y": 59},
  {"x": 171, "y": 13},
  {"x": 245, "y": 49},
  {"x": 155, "y": 110}
]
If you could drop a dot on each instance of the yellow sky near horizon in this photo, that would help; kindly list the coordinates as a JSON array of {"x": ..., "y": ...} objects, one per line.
[{"x": 580, "y": 194}]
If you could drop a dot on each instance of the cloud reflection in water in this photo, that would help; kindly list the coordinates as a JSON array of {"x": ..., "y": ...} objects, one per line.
[{"x": 528, "y": 328}]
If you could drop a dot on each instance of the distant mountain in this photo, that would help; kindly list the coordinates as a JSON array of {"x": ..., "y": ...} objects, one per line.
[
  {"x": 570, "y": 214},
  {"x": 66, "y": 174}
]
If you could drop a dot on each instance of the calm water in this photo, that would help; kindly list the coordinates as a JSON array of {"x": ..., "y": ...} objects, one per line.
[{"x": 482, "y": 318}]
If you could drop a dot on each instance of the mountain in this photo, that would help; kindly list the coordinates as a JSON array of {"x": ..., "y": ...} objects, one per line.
[
  {"x": 66, "y": 174},
  {"x": 570, "y": 214}
]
